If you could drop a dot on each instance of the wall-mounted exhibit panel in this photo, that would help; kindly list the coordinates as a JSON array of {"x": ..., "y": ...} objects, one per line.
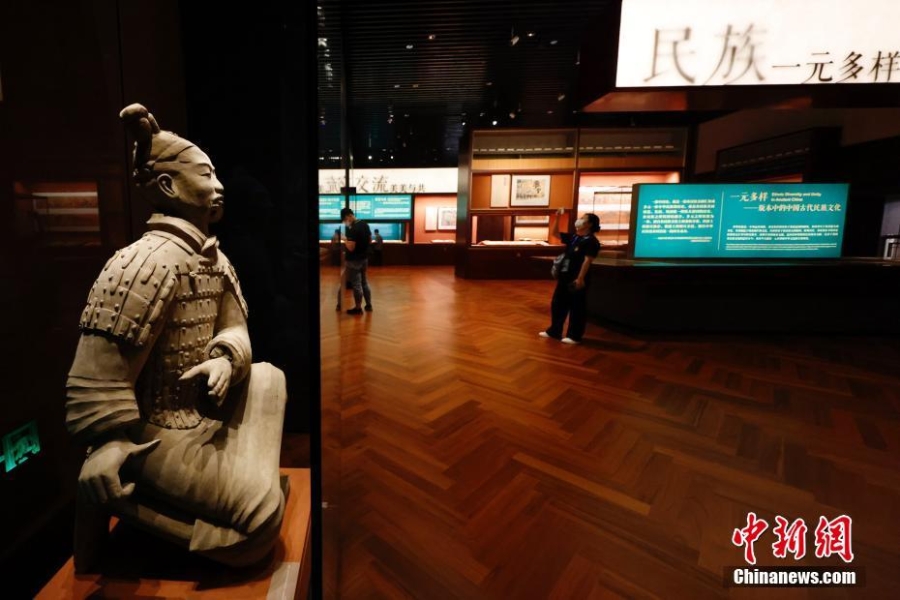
[
  {"x": 747, "y": 220},
  {"x": 367, "y": 206},
  {"x": 391, "y": 232}
]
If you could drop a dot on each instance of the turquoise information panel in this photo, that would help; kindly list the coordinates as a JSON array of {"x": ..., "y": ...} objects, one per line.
[
  {"x": 741, "y": 220},
  {"x": 368, "y": 206},
  {"x": 330, "y": 208},
  {"x": 391, "y": 232}
]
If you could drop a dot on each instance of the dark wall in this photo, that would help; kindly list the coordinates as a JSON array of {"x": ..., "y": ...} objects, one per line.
[
  {"x": 250, "y": 98},
  {"x": 67, "y": 69},
  {"x": 873, "y": 170}
]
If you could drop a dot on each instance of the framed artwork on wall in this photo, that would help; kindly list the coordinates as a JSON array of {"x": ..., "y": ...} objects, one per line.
[
  {"x": 530, "y": 190},
  {"x": 431, "y": 218},
  {"x": 446, "y": 218},
  {"x": 500, "y": 191}
]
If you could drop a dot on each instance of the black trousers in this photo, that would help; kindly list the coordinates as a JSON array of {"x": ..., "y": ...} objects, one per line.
[{"x": 571, "y": 303}]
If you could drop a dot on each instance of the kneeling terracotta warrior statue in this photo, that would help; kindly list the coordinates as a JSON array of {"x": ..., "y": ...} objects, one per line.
[{"x": 184, "y": 434}]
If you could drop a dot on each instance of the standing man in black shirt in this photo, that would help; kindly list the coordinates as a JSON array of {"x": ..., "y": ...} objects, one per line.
[
  {"x": 570, "y": 296},
  {"x": 359, "y": 236}
]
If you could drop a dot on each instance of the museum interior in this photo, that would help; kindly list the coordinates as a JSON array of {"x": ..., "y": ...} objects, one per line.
[{"x": 706, "y": 191}]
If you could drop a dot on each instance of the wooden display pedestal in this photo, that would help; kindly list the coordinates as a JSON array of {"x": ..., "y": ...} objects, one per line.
[{"x": 137, "y": 565}]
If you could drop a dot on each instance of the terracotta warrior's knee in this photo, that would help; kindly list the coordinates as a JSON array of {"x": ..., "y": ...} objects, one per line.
[{"x": 252, "y": 536}]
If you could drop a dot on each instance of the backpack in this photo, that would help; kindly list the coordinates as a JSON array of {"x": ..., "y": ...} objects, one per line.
[{"x": 560, "y": 265}]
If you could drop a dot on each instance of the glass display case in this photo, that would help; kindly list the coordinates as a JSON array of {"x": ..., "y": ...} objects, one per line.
[
  {"x": 608, "y": 195},
  {"x": 57, "y": 214},
  {"x": 519, "y": 180}
]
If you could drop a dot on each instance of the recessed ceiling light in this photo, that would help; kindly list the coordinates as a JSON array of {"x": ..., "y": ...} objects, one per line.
[
  {"x": 409, "y": 46},
  {"x": 554, "y": 42},
  {"x": 549, "y": 112},
  {"x": 530, "y": 34},
  {"x": 561, "y": 97},
  {"x": 494, "y": 123},
  {"x": 370, "y": 157},
  {"x": 432, "y": 36},
  {"x": 489, "y": 83},
  {"x": 514, "y": 40},
  {"x": 396, "y": 85},
  {"x": 415, "y": 86}
]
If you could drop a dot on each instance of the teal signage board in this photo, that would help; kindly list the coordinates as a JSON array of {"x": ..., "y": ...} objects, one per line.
[
  {"x": 391, "y": 232},
  {"x": 368, "y": 206},
  {"x": 330, "y": 208},
  {"x": 741, "y": 220}
]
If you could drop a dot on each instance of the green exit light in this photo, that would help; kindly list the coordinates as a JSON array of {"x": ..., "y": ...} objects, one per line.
[{"x": 20, "y": 445}]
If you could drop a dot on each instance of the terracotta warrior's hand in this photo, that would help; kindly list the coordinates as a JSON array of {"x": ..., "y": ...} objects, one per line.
[
  {"x": 99, "y": 480},
  {"x": 218, "y": 371}
]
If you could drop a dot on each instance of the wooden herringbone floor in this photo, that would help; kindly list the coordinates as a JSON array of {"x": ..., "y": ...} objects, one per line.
[{"x": 467, "y": 458}]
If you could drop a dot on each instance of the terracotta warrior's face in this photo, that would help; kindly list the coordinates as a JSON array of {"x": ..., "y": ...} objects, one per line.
[{"x": 195, "y": 188}]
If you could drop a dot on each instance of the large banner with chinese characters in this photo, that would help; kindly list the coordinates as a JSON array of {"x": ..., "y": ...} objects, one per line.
[
  {"x": 757, "y": 42},
  {"x": 739, "y": 220},
  {"x": 391, "y": 181}
]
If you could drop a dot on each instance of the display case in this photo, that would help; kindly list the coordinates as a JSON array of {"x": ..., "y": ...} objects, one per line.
[
  {"x": 608, "y": 195},
  {"x": 58, "y": 214},
  {"x": 518, "y": 180},
  {"x": 433, "y": 229}
]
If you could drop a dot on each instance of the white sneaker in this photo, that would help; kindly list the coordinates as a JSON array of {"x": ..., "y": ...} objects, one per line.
[
  {"x": 543, "y": 334},
  {"x": 569, "y": 341}
]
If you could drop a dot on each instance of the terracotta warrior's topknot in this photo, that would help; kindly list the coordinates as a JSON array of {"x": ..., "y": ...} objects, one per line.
[{"x": 152, "y": 146}]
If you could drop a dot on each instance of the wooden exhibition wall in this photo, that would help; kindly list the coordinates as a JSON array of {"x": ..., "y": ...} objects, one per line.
[{"x": 561, "y": 189}]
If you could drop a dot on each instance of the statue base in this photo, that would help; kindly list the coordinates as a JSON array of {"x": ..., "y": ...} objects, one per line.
[{"x": 135, "y": 564}]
